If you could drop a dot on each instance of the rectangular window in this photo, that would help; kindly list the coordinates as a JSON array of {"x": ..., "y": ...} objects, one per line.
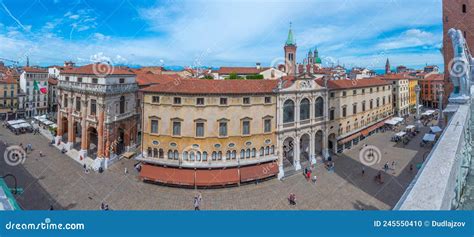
[
  {"x": 177, "y": 100},
  {"x": 267, "y": 125},
  {"x": 223, "y": 101},
  {"x": 199, "y": 129},
  {"x": 122, "y": 80},
  {"x": 354, "y": 92},
  {"x": 363, "y": 107},
  {"x": 371, "y": 104},
  {"x": 78, "y": 103},
  {"x": 332, "y": 95},
  {"x": 223, "y": 129},
  {"x": 246, "y": 127},
  {"x": 246, "y": 100},
  {"x": 79, "y": 79},
  {"x": 363, "y": 91},
  {"x": 354, "y": 109},
  {"x": 331, "y": 114},
  {"x": 67, "y": 78},
  {"x": 155, "y": 99},
  {"x": 154, "y": 126},
  {"x": 176, "y": 128},
  {"x": 199, "y": 101},
  {"x": 268, "y": 100},
  {"x": 344, "y": 111},
  {"x": 94, "y": 80},
  {"x": 344, "y": 93},
  {"x": 93, "y": 107}
]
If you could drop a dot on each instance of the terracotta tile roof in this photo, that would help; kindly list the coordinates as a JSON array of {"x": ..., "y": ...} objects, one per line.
[
  {"x": 98, "y": 69},
  {"x": 395, "y": 76},
  {"x": 52, "y": 81},
  {"x": 145, "y": 78},
  {"x": 349, "y": 84},
  {"x": 434, "y": 77},
  {"x": 6, "y": 77},
  {"x": 240, "y": 70},
  {"x": 203, "y": 86},
  {"x": 35, "y": 70}
]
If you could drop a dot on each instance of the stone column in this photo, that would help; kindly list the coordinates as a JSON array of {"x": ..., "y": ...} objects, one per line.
[
  {"x": 324, "y": 148},
  {"x": 100, "y": 133},
  {"x": 70, "y": 124},
  {"x": 440, "y": 107},
  {"x": 312, "y": 148},
  {"x": 60, "y": 129},
  {"x": 107, "y": 143},
  {"x": 83, "y": 151},
  {"x": 296, "y": 151}
]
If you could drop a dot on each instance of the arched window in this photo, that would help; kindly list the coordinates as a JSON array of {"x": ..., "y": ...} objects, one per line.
[
  {"x": 161, "y": 153},
  {"x": 176, "y": 155},
  {"x": 234, "y": 154},
  {"x": 227, "y": 155},
  {"x": 247, "y": 153},
  {"x": 254, "y": 152},
  {"x": 150, "y": 152},
  {"x": 170, "y": 154},
  {"x": 242, "y": 154},
  {"x": 214, "y": 155},
  {"x": 204, "y": 156},
  {"x": 288, "y": 111},
  {"x": 262, "y": 150},
  {"x": 272, "y": 150},
  {"x": 219, "y": 155},
  {"x": 198, "y": 156},
  {"x": 185, "y": 155},
  {"x": 304, "y": 109},
  {"x": 267, "y": 150},
  {"x": 122, "y": 104},
  {"x": 319, "y": 107},
  {"x": 155, "y": 152},
  {"x": 191, "y": 155}
]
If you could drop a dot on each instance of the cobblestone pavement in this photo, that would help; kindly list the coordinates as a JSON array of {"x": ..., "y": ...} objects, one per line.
[{"x": 57, "y": 180}]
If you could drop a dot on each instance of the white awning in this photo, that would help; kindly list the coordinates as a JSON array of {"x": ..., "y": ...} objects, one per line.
[
  {"x": 391, "y": 122},
  {"x": 428, "y": 137},
  {"x": 436, "y": 129},
  {"x": 410, "y": 126},
  {"x": 12, "y": 122},
  {"x": 398, "y": 119},
  {"x": 400, "y": 134}
]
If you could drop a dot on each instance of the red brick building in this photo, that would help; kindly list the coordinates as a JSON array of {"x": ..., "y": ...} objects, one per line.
[
  {"x": 457, "y": 14},
  {"x": 430, "y": 87}
]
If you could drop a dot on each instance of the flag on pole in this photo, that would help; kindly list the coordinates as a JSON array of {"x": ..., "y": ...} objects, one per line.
[{"x": 40, "y": 88}]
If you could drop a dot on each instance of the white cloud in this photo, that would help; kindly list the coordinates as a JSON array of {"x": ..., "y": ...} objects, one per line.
[
  {"x": 245, "y": 32},
  {"x": 99, "y": 36},
  {"x": 411, "y": 38}
]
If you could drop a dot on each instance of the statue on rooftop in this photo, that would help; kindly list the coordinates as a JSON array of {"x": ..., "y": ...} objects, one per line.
[{"x": 460, "y": 68}]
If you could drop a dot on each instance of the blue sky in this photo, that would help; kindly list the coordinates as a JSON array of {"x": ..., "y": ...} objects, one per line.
[{"x": 216, "y": 33}]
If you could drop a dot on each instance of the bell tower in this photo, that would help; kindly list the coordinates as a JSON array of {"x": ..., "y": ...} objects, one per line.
[{"x": 290, "y": 53}]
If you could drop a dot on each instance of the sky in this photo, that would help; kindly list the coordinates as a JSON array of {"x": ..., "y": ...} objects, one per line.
[{"x": 221, "y": 33}]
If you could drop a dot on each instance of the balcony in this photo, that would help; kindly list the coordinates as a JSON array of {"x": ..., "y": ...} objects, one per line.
[
  {"x": 442, "y": 178},
  {"x": 97, "y": 89}
]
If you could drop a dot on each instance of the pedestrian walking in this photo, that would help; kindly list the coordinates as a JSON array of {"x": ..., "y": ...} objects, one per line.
[
  {"x": 41, "y": 154},
  {"x": 363, "y": 170},
  {"x": 292, "y": 199},
  {"x": 197, "y": 202},
  {"x": 385, "y": 167},
  {"x": 411, "y": 167},
  {"x": 126, "y": 170},
  {"x": 308, "y": 175}
]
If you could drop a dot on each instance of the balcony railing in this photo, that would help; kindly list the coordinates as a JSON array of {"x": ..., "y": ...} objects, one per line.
[
  {"x": 98, "y": 88},
  {"x": 439, "y": 183}
]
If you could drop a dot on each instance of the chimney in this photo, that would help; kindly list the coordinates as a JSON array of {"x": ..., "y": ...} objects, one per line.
[
  {"x": 69, "y": 63},
  {"x": 258, "y": 66}
]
